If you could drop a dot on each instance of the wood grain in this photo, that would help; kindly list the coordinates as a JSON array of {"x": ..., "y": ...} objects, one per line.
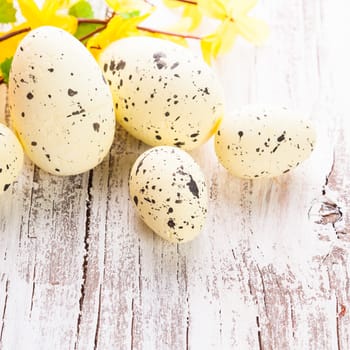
[{"x": 79, "y": 270}]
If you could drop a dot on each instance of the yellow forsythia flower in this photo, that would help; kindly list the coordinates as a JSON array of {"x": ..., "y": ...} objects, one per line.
[
  {"x": 123, "y": 6},
  {"x": 191, "y": 16},
  {"x": 234, "y": 18},
  {"x": 118, "y": 27},
  {"x": 48, "y": 14},
  {"x": 8, "y": 47},
  {"x": 35, "y": 17}
]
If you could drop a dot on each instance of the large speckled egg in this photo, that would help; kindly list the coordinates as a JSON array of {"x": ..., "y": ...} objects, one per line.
[
  {"x": 163, "y": 93},
  {"x": 169, "y": 192},
  {"x": 259, "y": 141},
  {"x": 60, "y": 103},
  {"x": 11, "y": 158}
]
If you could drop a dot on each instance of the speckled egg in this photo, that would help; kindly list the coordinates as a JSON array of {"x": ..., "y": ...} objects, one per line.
[
  {"x": 60, "y": 103},
  {"x": 169, "y": 192},
  {"x": 163, "y": 94},
  {"x": 259, "y": 141},
  {"x": 11, "y": 158}
]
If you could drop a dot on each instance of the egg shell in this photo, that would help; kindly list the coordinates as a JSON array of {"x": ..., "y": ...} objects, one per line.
[
  {"x": 263, "y": 141},
  {"x": 169, "y": 192},
  {"x": 163, "y": 93},
  {"x": 11, "y": 158},
  {"x": 60, "y": 103}
]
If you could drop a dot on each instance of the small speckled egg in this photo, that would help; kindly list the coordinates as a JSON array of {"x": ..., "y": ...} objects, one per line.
[
  {"x": 11, "y": 158},
  {"x": 60, "y": 103},
  {"x": 163, "y": 94},
  {"x": 169, "y": 192},
  {"x": 260, "y": 141}
]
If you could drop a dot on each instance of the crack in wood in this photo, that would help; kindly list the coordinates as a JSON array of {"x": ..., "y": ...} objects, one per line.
[
  {"x": 292, "y": 315},
  {"x": 263, "y": 287},
  {"x": 35, "y": 180},
  {"x": 132, "y": 328},
  {"x": 140, "y": 270},
  {"x": 33, "y": 292},
  {"x": 4, "y": 309},
  {"x": 86, "y": 254},
  {"x": 97, "y": 330},
  {"x": 337, "y": 322},
  {"x": 259, "y": 333}
]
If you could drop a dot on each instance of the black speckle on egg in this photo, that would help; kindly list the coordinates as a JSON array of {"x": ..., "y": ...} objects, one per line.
[
  {"x": 22, "y": 114},
  {"x": 50, "y": 70},
  {"x": 192, "y": 185},
  {"x": 171, "y": 223},
  {"x": 34, "y": 143},
  {"x": 240, "y": 134},
  {"x": 6, "y": 187},
  {"x": 71, "y": 92},
  {"x": 96, "y": 127},
  {"x": 29, "y": 95},
  {"x": 121, "y": 65},
  {"x": 281, "y": 138},
  {"x": 136, "y": 200}
]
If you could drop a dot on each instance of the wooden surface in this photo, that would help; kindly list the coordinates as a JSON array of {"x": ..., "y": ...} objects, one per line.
[{"x": 79, "y": 270}]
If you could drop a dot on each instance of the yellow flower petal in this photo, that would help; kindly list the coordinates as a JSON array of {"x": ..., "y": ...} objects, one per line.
[
  {"x": 220, "y": 42},
  {"x": 194, "y": 14},
  {"x": 237, "y": 8},
  {"x": 68, "y": 23},
  {"x": 172, "y": 3},
  {"x": 121, "y": 6},
  {"x": 228, "y": 34},
  {"x": 214, "y": 8},
  {"x": 31, "y": 12},
  {"x": 117, "y": 28},
  {"x": 252, "y": 29}
]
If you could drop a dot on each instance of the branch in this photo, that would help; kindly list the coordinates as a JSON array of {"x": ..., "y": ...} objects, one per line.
[
  {"x": 188, "y": 2},
  {"x": 87, "y": 36},
  {"x": 12, "y": 34},
  {"x": 185, "y": 36},
  {"x": 92, "y": 20}
]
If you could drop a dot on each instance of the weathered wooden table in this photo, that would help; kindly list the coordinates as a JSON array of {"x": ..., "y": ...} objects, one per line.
[{"x": 79, "y": 270}]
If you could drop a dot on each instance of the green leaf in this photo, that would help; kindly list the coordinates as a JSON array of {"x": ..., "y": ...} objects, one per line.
[
  {"x": 85, "y": 28},
  {"x": 7, "y": 12},
  {"x": 131, "y": 14},
  {"x": 5, "y": 67},
  {"x": 81, "y": 9}
]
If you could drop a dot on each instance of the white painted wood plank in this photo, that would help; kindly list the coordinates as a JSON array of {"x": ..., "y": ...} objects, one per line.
[{"x": 270, "y": 270}]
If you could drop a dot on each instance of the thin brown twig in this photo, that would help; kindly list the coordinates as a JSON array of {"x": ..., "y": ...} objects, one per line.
[
  {"x": 149, "y": 3},
  {"x": 190, "y": 2},
  {"x": 92, "y": 20},
  {"x": 2, "y": 80},
  {"x": 185, "y": 36},
  {"x": 87, "y": 36},
  {"x": 12, "y": 34}
]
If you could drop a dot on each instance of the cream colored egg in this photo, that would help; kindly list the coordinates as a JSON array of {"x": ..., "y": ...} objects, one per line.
[
  {"x": 11, "y": 158},
  {"x": 169, "y": 192},
  {"x": 259, "y": 141},
  {"x": 163, "y": 94},
  {"x": 60, "y": 103}
]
